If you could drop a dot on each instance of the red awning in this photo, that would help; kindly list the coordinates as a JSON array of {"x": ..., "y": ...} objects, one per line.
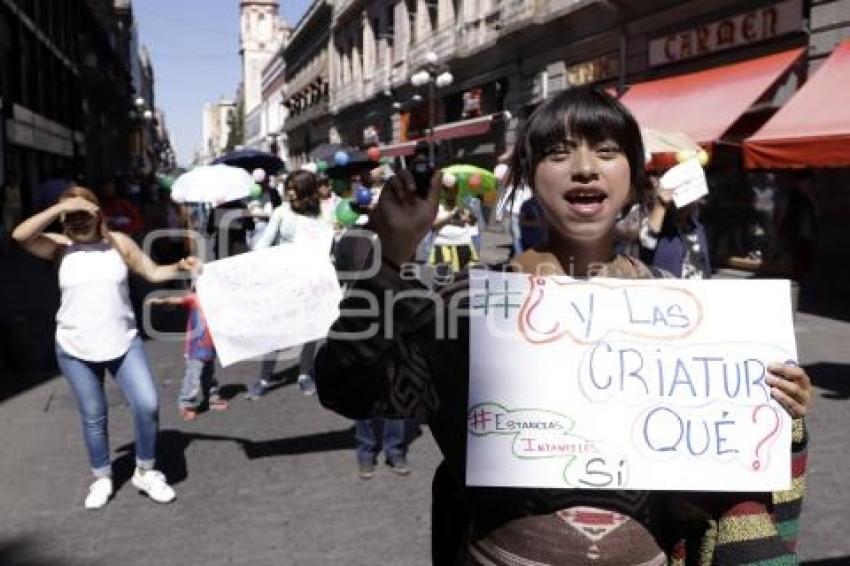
[
  {"x": 450, "y": 131},
  {"x": 705, "y": 104},
  {"x": 397, "y": 149},
  {"x": 813, "y": 128}
]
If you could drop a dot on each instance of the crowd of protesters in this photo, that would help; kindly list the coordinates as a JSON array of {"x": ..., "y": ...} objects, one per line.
[{"x": 578, "y": 142}]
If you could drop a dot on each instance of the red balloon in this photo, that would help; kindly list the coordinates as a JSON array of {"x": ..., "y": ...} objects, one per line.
[
  {"x": 373, "y": 153},
  {"x": 475, "y": 180}
]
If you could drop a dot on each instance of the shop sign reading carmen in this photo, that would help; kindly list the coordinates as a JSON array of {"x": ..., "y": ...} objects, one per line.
[{"x": 749, "y": 27}]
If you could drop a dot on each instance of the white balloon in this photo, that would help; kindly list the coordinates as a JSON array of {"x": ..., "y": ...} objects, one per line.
[
  {"x": 500, "y": 171},
  {"x": 259, "y": 175},
  {"x": 449, "y": 180}
]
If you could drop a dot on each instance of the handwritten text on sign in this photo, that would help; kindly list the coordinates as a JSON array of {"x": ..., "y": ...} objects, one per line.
[
  {"x": 267, "y": 300},
  {"x": 627, "y": 384}
]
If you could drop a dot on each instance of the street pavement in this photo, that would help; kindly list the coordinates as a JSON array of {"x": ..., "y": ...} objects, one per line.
[
  {"x": 274, "y": 482},
  {"x": 266, "y": 482}
]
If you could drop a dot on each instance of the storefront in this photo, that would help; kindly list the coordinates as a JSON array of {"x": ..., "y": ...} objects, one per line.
[
  {"x": 809, "y": 139},
  {"x": 469, "y": 125},
  {"x": 717, "y": 80}
]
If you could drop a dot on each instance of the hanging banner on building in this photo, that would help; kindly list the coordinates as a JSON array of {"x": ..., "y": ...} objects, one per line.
[
  {"x": 615, "y": 384},
  {"x": 749, "y": 27}
]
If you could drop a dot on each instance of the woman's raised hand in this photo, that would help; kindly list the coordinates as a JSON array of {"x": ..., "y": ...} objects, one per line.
[
  {"x": 77, "y": 204},
  {"x": 402, "y": 218}
]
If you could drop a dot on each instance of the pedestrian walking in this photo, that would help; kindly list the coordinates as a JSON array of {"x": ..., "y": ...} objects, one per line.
[
  {"x": 229, "y": 224},
  {"x": 798, "y": 226},
  {"x": 511, "y": 201},
  {"x": 375, "y": 434},
  {"x": 96, "y": 330},
  {"x": 199, "y": 382},
  {"x": 455, "y": 228},
  {"x": 297, "y": 223},
  {"x": 582, "y": 155},
  {"x": 121, "y": 214},
  {"x": 381, "y": 433},
  {"x": 329, "y": 200}
]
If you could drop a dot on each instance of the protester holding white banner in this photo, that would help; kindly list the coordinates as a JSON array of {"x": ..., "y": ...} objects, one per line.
[
  {"x": 672, "y": 237},
  {"x": 299, "y": 223},
  {"x": 582, "y": 155}
]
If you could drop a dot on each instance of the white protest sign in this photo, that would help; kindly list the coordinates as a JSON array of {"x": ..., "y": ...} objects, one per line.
[
  {"x": 625, "y": 384},
  {"x": 687, "y": 181},
  {"x": 266, "y": 300}
]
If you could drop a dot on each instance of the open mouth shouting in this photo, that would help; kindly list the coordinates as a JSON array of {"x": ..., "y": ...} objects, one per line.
[{"x": 586, "y": 201}]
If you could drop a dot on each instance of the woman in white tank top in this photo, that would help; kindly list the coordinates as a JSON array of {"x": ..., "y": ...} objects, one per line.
[{"x": 96, "y": 330}]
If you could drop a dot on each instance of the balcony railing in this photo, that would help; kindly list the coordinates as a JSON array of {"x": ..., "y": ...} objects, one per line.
[
  {"x": 476, "y": 34},
  {"x": 516, "y": 13},
  {"x": 441, "y": 42},
  {"x": 377, "y": 83},
  {"x": 306, "y": 116},
  {"x": 347, "y": 94},
  {"x": 506, "y": 17}
]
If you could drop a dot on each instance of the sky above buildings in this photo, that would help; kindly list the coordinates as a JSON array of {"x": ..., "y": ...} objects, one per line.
[{"x": 194, "y": 45}]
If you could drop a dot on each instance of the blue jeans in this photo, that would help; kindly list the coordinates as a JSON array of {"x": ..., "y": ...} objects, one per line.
[
  {"x": 305, "y": 361},
  {"x": 393, "y": 436},
  {"x": 198, "y": 382},
  {"x": 133, "y": 375}
]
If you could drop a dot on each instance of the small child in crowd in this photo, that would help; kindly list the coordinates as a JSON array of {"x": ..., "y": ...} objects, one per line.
[{"x": 199, "y": 381}]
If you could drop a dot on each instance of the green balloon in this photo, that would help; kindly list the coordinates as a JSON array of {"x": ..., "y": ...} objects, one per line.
[
  {"x": 322, "y": 165},
  {"x": 164, "y": 181},
  {"x": 344, "y": 214},
  {"x": 256, "y": 191}
]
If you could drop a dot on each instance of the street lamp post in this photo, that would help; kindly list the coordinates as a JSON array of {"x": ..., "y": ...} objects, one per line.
[{"x": 435, "y": 75}]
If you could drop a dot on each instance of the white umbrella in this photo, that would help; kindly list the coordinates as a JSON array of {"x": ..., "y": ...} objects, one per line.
[{"x": 214, "y": 184}]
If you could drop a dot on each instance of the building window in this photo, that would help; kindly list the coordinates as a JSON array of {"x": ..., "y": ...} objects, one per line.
[
  {"x": 411, "y": 16},
  {"x": 433, "y": 16},
  {"x": 377, "y": 35},
  {"x": 389, "y": 31},
  {"x": 457, "y": 9}
]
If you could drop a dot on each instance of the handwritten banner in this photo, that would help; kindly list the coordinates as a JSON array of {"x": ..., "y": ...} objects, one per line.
[
  {"x": 266, "y": 300},
  {"x": 624, "y": 384}
]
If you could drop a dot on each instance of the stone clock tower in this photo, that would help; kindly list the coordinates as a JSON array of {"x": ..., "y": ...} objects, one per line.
[{"x": 261, "y": 34}]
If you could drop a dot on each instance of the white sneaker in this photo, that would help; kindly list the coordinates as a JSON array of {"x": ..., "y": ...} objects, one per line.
[
  {"x": 306, "y": 384},
  {"x": 99, "y": 493},
  {"x": 153, "y": 483}
]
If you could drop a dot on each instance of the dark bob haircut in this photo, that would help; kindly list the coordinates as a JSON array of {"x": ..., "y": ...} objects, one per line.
[
  {"x": 305, "y": 185},
  {"x": 585, "y": 113}
]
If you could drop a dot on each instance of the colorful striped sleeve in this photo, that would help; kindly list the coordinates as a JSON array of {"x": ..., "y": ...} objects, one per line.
[{"x": 759, "y": 528}]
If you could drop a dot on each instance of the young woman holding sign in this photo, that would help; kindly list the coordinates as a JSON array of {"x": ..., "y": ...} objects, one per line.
[
  {"x": 297, "y": 222},
  {"x": 96, "y": 330},
  {"x": 582, "y": 155}
]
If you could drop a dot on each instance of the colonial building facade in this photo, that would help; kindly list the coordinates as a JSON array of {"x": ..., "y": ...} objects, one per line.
[
  {"x": 76, "y": 99},
  {"x": 261, "y": 35},
  {"x": 216, "y": 124},
  {"x": 504, "y": 57},
  {"x": 308, "y": 88}
]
